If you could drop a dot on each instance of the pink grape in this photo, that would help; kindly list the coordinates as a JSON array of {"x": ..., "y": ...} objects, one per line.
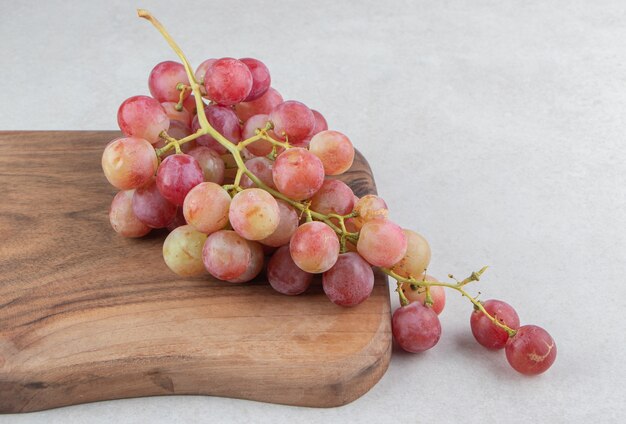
[
  {"x": 255, "y": 266},
  {"x": 486, "y": 332},
  {"x": 182, "y": 115},
  {"x": 226, "y": 255},
  {"x": 211, "y": 163},
  {"x": 437, "y": 293},
  {"x": 260, "y": 147},
  {"x": 415, "y": 327},
  {"x": 333, "y": 197},
  {"x": 206, "y": 207},
  {"x": 287, "y": 225},
  {"x": 382, "y": 243},
  {"x": 292, "y": 119},
  {"x": 531, "y": 351},
  {"x": 180, "y": 130},
  {"x": 298, "y": 173},
  {"x": 177, "y": 175},
  {"x": 190, "y": 104},
  {"x": 129, "y": 162},
  {"x": 224, "y": 120},
  {"x": 201, "y": 70},
  {"x": 262, "y": 105},
  {"x": 254, "y": 214},
  {"x": 261, "y": 79},
  {"x": 334, "y": 149},
  {"x": 314, "y": 247},
  {"x": 178, "y": 221},
  {"x": 122, "y": 218},
  {"x": 262, "y": 168},
  {"x": 369, "y": 207},
  {"x": 151, "y": 207},
  {"x": 182, "y": 251},
  {"x": 228, "y": 81},
  {"x": 285, "y": 276},
  {"x": 142, "y": 117},
  {"x": 417, "y": 256},
  {"x": 320, "y": 123},
  {"x": 163, "y": 80},
  {"x": 350, "y": 281}
]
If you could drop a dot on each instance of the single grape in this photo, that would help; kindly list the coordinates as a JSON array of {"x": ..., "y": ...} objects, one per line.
[
  {"x": 177, "y": 175},
  {"x": 382, "y": 243},
  {"x": 255, "y": 266},
  {"x": 163, "y": 80},
  {"x": 287, "y": 225},
  {"x": 292, "y": 119},
  {"x": 261, "y": 79},
  {"x": 437, "y": 293},
  {"x": 129, "y": 162},
  {"x": 314, "y": 247},
  {"x": 190, "y": 104},
  {"x": 228, "y": 81},
  {"x": 226, "y": 255},
  {"x": 486, "y": 332},
  {"x": 367, "y": 208},
  {"x": 224, "y": 120},
  {"x": 182, "y": 115},
  {"x": 262, "y": 168},
  {"x": 285, "y": 276},
  {"x": 260, "y": 147},
  {"x": 415, "y": 327},
  {"x": 206, "y": 207},
  {"x": 333, "y": 197},
  {"x": 182, "y": 251},
  {"x": 254, "y": 214},
  {"x": 531, "y": 351},
  {"x": 201, "y": 70},
  {"x": 350, "y": 281},
  {"x": 122, "y": 218},
  {"x": 262, "y": 105},
  {"x": 142, "y": 117},
  {"x": 151, "y": 207},
  {"x": 320, "y": 123},
  {"x": 417, "y": 256},
  {"x": 298, "y": 173},
  {"x": 211, "y": 163},
  {"x": 334, "y": 149}
]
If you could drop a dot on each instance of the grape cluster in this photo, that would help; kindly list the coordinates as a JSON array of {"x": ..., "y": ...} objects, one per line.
[{"x": 238, "y": 174}]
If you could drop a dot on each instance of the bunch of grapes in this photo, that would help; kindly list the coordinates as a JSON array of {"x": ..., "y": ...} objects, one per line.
[{"x": 237, "y": 175}]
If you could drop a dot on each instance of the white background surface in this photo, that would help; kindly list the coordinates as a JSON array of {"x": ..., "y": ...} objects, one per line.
[{"x": 496, "y": 129}]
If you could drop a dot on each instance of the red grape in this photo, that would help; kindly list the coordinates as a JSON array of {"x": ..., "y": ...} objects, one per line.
[
  {"x": 417, "y": 256},
  {"x": 182, "y": 251},
  {"x": 314, "y": 247},
  {"x": 177, "y": 175},
  {"x": 320, "y": 123},
  {"x": 201, "y": 70},
  {"x": 382, "y": 243},
  {"x": 255, "y": 265},
  {"x": 287, "y": 225},
  {"x": 531, "y": 351},
  {"x": 260, "y": 147},
  {"x": 163, "y": 81},
  {"x": 228, "y": 81},
  {"x": 254, "y": 214},
  {"x": 298, "y": 173},
  {"x": 129, "y": 162},
  {"x": 182, "y": 115},
  {"x": 292, "y": 119},
  {"x": 224, "y": 120},
  {"x": 260, "y": 78},
  {"x": 334, "y": 149},
  {"x": 180, "y": 130},
  {"x": 226, "y": 255},
  {"x": 262, "y": 168},
  {"x": 437, "y": 293},
  {"x": 190, "y": 104},
  {"x": 285, "y": 276},
  {"x": 122, "y": 218},
  {"x": 212, "y": 164},
  {"x": 333, "y": 197},
  {"x": 142, "y": 117},
  {"x": 262, "y": 105},
  {"x": 415, "y": 327},
  {"x": 350, "y": 281},
  {"x": 151, "y": 207},
  {"x": 486, "y": 332},
  {"x": 206, "y": 207},
  {"x": 178, "y": 221}
]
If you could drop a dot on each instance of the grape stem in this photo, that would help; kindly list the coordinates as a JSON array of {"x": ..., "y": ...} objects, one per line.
[{"x": 304, "y": 207}]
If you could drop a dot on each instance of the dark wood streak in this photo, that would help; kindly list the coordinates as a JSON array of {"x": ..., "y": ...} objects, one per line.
[{"x": 87, "y": 315}]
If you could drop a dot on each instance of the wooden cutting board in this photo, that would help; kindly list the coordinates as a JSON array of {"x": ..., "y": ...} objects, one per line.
[{"x": 87, "y": 315}]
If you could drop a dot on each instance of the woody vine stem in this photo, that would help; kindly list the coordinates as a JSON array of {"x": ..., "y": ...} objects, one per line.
[{"x": 262, "y": 134}]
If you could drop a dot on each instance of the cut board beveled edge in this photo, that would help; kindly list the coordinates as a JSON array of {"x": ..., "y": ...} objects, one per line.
[{"x": 81, "y": 321}]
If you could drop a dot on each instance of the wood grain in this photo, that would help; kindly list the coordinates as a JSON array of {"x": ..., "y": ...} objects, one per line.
[{"x": 86, "y": 315}]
